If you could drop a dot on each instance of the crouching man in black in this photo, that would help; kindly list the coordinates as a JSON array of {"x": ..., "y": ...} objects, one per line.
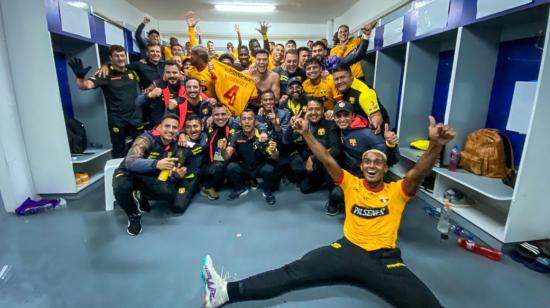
[
  {"x": 192, "y": 156},
  {"x": 253, "y": 155},
  {"x": 150, "y": 171}
]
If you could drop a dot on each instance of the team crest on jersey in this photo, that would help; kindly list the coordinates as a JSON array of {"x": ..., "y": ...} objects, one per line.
[
  {"x": 369, "y": 212},
  {"x": 323, "y": 92},
  {"x": 205, "y": 110},
  {"x": 372, "y": 105},
  {"x": 131, "y": 76},
  {"x": 321, "y": 131},
  {"x": 232, "y": 131},
  {"x": 383, "y": 199},
  {"x": 352, "y": 100},
  {"x": 181, "y": 190},
  {"x": 353, "y": 142}
]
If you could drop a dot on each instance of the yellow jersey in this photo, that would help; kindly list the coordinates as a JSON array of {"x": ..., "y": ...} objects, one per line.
[
  {"x": 352, "y": 44},
  {"x": 372, "y": 217},
  {"x": 363, "y": 98},
  {"x": 233, "y": 88},
  {"x": 206, "y": 79},
  {"x": 325, "y": 88}
]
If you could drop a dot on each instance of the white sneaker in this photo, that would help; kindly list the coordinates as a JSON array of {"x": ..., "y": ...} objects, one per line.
[{"x": 215, "y": 287}]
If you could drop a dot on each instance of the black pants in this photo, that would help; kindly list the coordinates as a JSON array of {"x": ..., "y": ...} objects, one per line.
[
  {"x": 237, "y": 174},
  {"x": 213, "y": 174},
  {"x": 382, "y": 272},
  {"x": 125, "y": 182},
  {"x": 186, "y": 190},
  {"x": 119, "y": 133},
  {"x": 297, "y": 166},
  {"x": 320, "y": 179}
]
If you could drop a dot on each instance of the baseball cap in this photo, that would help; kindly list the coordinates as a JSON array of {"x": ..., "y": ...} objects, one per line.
[
  {"x": 343, "y": 106},
  {"x": 294, "y": 80}
]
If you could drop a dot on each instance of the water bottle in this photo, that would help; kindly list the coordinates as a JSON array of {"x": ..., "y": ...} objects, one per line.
[
  {"x": 455, "y": 156},
  {"x": 443, "y": 224},
  {"x": 487, "y": 252},
  {"x": 164, "y": 174},
  {"x": 461, "y": 232}
]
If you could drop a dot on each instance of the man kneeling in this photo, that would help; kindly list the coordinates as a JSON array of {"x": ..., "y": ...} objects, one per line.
[{"x": 367, "y": 255}]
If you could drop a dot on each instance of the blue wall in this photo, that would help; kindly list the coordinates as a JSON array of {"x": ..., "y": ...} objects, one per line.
[
  {"x": 518, "y": 60},
  {"x": 394, "y": 123},
  {"x": 63, "y": 82},
  {"x": 442, "y": 82}
]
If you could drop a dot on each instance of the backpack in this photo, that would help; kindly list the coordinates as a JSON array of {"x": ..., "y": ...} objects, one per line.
[
  {"x": 488, "y": 153},
  {"x": 77, "y": 136}
]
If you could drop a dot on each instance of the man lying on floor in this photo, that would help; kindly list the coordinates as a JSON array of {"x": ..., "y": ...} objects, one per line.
[{"x": 367, "y": 255}]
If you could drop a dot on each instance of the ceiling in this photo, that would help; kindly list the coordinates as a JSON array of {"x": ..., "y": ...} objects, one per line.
[{"x": 288, "y": 11}]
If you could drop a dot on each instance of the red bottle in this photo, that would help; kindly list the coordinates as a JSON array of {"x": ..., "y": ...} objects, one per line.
[{"x": 479, "y": 249}]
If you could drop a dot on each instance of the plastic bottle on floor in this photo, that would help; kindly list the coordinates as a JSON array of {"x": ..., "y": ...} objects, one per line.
[
  {"x": 461, "y": 232},
  {"x": 443, "y": 224},
  {"x": 487, "y": 252}
]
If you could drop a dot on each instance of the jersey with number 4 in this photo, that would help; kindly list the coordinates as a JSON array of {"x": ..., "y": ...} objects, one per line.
[{"x": 233, "y": 88}]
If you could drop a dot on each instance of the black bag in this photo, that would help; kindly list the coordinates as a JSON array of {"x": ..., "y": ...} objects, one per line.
[
  {"x": 510, "y": 179},
  {"x": 77, "y": 136}
]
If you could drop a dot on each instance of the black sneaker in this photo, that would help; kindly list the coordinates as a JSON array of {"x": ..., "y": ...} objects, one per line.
[
  {"x": 237, "y": 193},
  {"x": 332, "y": 209},
  {"x": 142, "y": 203},
  {"x": 134, "y": 224},
  {"x": 254, "y": 184},
  {"x": 269, "y": 197}
]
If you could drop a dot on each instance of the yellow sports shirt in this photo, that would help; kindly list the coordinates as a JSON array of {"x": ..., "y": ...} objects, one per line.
[
  {"x": 325, "y": 89},
  {"x": 363, "y": 98},
  {"x": 352, "y": 44},
  {"x": 372, "y": 217},
  {"x": 233, "y": 88},
  {"x": 206, "y": 79}
]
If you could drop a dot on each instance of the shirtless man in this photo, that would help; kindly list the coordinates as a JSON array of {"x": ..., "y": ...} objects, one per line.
[{"x": 265, "y": 79}]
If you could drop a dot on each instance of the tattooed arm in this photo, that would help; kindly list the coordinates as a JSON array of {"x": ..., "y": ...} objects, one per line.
[{"x": 135, "y": 159}]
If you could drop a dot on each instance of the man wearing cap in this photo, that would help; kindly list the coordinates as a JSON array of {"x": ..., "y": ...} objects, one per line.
[
  {"x": 367, "y": 254},
  {"x": 357, "y": 137},
  {"x": 295, "y": 98},
  {"x": 153, "y": 38}
]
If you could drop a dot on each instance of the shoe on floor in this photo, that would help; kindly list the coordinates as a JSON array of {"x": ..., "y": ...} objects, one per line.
[
  {"x": 142, "y": 203},
  {"x": 332, "y": 209},
  {"x": 210, "y": 193},
  {"x": 269, "y": 197},
  {"x": 134, "y": 224},
  {"x": 215, "y": 287},
  {"x": 237, "y": 193},
  {"x": 254, "y": 184}
]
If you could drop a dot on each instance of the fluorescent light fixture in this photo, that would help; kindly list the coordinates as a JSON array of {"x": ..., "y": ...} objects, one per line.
[
  {"x": 245, "y": 7},
  {"x": 79, "y": 4}
]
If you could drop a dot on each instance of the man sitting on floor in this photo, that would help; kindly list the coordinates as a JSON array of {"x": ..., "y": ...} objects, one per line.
[{"x": 367, "y": 255}]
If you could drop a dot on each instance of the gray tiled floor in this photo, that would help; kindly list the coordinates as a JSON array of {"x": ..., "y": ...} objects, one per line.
[{"x": 81, "y": 256}]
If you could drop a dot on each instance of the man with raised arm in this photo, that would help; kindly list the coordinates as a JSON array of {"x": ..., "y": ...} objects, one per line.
[
  {"x": 367, "y": 255},
  {"x": 120, "y": 89},
  {"x": 153, "y": 38}
]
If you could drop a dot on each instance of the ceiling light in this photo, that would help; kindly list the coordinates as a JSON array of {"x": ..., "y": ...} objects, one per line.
[
  {"x": 245, "y": 8},
  {"x": 79, "y": 4}
]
